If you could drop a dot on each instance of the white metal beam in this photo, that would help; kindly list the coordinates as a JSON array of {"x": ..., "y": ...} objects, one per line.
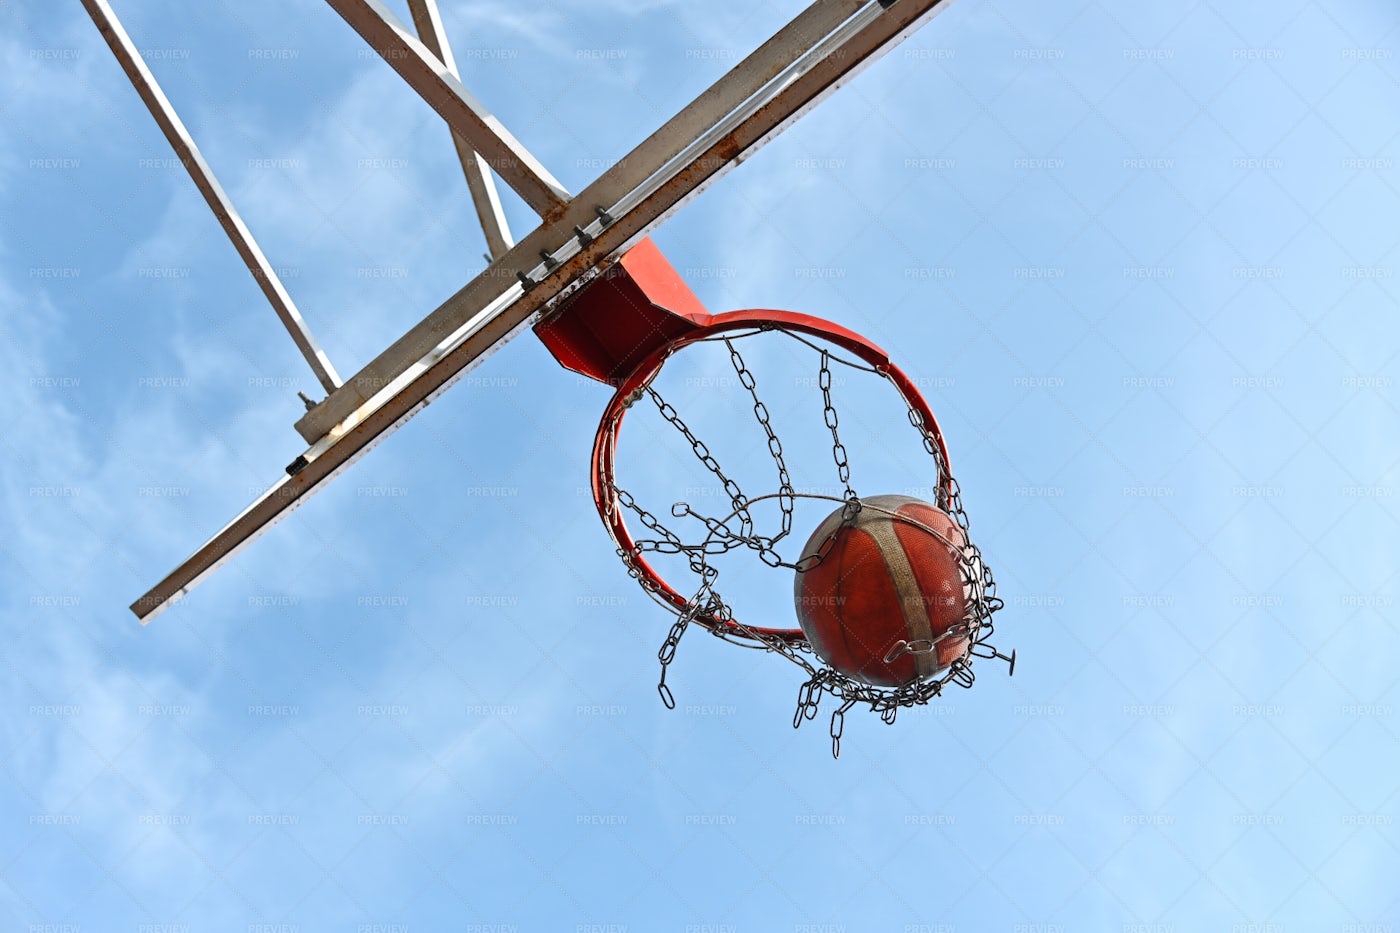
[
  {"x": 183, "y": 144},
  {"x": 486, "y": 313},
  {"x": 479, "y": 182},
  {"x": 465, "y": 115},
  {"x": 771, "y": 63}
]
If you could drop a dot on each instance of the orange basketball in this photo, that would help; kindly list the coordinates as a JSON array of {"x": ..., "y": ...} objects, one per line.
[{"x": 891, "y": 574}]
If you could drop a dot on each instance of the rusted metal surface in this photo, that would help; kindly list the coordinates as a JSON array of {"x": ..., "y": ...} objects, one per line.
[{"x": 619, "y": 185}]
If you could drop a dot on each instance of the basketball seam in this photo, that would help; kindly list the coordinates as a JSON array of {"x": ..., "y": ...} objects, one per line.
[
  {"x": 917, "y": 625},
  {"x": 840, "y": 601}
]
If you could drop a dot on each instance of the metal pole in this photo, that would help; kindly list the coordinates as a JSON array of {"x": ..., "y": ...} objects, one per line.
[
  {"x": 483, "y": 189},
  {"x": 183, "y": 144},
  {"x": 465, "y": 115}
]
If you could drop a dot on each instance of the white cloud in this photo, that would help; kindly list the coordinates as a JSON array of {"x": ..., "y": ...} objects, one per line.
[{"x": 128, "y": 754}]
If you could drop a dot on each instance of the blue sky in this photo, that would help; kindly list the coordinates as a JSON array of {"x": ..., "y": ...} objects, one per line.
[{"x": 1142, "y": 257}]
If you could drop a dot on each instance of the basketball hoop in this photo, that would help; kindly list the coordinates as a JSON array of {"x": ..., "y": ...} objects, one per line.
[
  {"x": 647, "y": 323},
  {"x": 608, "y": 305}
]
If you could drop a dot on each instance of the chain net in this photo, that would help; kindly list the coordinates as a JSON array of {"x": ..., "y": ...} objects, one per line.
[{"x": 737, "y": 530}]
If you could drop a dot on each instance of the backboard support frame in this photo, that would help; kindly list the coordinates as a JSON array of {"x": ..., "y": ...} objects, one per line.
[{"x": 804, "y": 62}]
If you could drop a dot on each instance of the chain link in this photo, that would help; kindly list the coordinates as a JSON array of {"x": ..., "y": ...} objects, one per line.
[
  {"x": 671, "y": 544},
  {"x": 838, "y": 449},
  {"x": 666, "y": 655},
  {"x": 707, "y": 459},
  {"x": 838, "y": 725},
  {"x": 786, "y": 499}
]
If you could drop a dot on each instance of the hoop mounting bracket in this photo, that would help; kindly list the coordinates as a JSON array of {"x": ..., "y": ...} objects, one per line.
[{"x": 634, "y": 308}]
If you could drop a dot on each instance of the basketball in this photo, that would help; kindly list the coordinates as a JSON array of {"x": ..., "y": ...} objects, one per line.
[{"x": 892, "y": 573}]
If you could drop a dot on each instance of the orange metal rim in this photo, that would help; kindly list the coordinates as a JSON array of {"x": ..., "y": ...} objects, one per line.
[{"x": 609, "y": 430}]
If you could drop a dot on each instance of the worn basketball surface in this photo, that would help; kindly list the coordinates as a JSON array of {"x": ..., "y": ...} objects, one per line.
[{"x": 892, "y": 574}]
